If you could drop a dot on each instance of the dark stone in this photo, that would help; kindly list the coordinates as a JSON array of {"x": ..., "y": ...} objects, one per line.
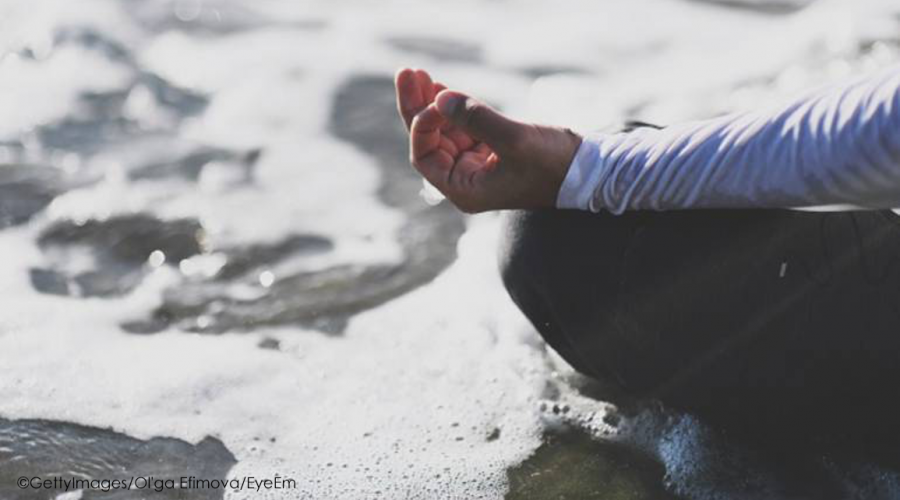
[
  {"x": 257, "y": 257},
  {"x": 189, "y": 165},
  {"x": 569, "y": 465},
  {"x": 128, "y": 238},
  {"x": 119, "y": 247},
  {"x": 319, "y": 299},
  {"x": 270, "y": 344},
  {"x": 771, "y": 7},
  {"x": 92, "y": 39},
  {"x": 551, "y": 69},
  {"x": 25, "y": 190},
  {"x": 86, "y": 131},
  {"x": 49, "y": 281},
  {"x": 439, "y": 49},
  {"x": 47, "y": 449},
  {"x": 98, "y": 120},
  {"x": 207, "y": 305},
  {"x": 184, "y": 101},
  {"x": 154, "y": 324}
]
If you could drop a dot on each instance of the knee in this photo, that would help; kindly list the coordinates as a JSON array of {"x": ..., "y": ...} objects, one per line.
[
  {"x": 544, "y": 257},
  {"x": 521, "y": 252},
  {"x": 557, "y": 248},
  {"x": 525, "y": 262}
]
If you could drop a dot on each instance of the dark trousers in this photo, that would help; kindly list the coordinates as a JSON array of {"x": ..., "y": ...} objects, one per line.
[{"x": 757, "y": 319}]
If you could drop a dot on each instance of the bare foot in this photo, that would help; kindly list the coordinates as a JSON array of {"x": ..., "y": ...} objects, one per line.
[{"x": 478, "y": 158}]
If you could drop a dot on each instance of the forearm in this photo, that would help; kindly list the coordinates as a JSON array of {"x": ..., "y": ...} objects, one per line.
[{"x": 839, "y": 145}]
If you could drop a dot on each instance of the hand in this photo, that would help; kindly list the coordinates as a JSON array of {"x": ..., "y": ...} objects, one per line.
[{"x": 478, "y": 158}]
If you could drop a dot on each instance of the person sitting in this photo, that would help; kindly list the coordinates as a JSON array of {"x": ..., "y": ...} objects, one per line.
[{"x": 676, "y": 261}]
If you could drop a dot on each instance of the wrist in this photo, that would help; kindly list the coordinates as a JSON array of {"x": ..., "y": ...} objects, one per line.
[
  {"x": 582, "y": 175},
  {"x": 564, "y": 155}
]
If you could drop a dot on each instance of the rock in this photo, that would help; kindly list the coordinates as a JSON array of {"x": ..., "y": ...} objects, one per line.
[
  {"x": 47, "y": 449},
  {"x": 569, "y": 465},
  {"x": 116, "y": 251},
  {"x": 25, "y": 190}
]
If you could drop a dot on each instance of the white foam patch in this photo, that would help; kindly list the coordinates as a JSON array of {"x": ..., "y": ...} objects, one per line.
[
  {"x": 35, "y": 92},
  {"x": 402, "y": 404},
  {"x": 384, "y": 401}
]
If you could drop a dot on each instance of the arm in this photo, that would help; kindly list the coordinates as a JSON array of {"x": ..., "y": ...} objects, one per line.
[{"x": 838, "y": 145}]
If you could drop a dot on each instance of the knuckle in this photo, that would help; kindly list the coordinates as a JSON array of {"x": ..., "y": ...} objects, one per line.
[
  {"x": 416, "y": 119},
  {"x": 473, "y": 112}
]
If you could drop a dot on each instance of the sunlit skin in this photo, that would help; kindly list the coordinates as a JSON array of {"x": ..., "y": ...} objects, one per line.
[{"x": 478, "y": 158}]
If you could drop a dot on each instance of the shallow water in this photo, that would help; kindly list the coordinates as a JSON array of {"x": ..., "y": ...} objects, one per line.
[{"x": 214, "y": 246}]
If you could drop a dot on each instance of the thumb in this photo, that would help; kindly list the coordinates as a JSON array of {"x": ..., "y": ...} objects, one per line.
[{"x": 479, "y": 120}]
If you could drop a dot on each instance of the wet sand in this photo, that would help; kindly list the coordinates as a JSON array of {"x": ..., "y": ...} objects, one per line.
[{"x": 657, "y": 454}]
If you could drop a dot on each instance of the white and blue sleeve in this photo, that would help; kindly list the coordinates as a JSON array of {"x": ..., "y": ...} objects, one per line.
[{"x": 839, "y": 145}]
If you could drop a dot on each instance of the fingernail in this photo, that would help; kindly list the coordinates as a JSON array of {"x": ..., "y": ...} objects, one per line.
[{"x": 449, "y": 106}]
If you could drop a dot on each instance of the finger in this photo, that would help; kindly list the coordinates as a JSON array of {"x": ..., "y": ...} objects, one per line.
[
  {"x": 428, "y": 156},
  {"x": 448, "y": 145},
  {"x": 436, "y": 168},
  {"x": 462, "y": 140},
  {"x": 425, "y": 134},
  {"x": 419, "y": 88},
  {"x": 480, "y": 121},
  {"x": 482, "y": 149},
  {"x": 467, "y": 167},
  {"x": 438, "y": 87},
  {"x": 428, "y": 130},
  {"x": 426, "y": 86},
  {"x": 409, "y": 97},
  {"x": 459, "y": 138},
  {"x": 468, "y": 174}
]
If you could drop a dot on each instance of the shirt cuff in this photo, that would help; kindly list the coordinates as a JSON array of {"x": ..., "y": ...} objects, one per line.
[{"x": 581, "y": 180}]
